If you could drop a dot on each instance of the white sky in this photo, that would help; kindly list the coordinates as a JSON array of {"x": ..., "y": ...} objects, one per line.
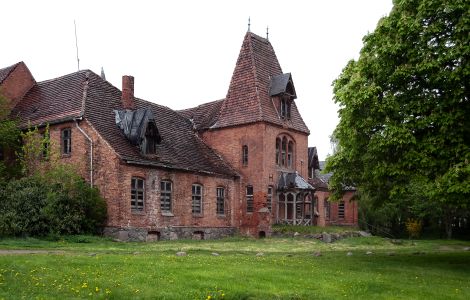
[{"x": 182, "y": 53}]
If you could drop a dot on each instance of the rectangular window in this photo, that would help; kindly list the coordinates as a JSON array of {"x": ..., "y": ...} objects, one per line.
[
  {"x": 165, "y": 196},
  {"x": 197, "y": 199},
  {"x": 66, "y": 135},
  {"x": 249, "y": 199},
  {"x": 341, "y": 210},
  {"x": 137, "y": 193},
  {"x": 220, "y": 201},
  {"x": 269, "y": 197},
  {"x": 245, "y": 155}
]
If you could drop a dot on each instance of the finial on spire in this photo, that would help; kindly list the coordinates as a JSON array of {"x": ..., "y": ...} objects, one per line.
[
  {"x": 103, "y": 76},
  {"x": 249, "y": 24},
  {"x": 267, "y": 33}
]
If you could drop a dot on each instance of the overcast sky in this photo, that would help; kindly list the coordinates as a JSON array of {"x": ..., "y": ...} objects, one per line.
[{"x": 182, "y": 53}]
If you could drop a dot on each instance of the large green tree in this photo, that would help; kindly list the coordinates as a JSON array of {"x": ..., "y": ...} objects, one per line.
[{"x": 404, "y": 130}]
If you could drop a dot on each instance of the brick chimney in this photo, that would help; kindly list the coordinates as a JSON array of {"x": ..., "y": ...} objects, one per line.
[{"x": 128, "y": 92}]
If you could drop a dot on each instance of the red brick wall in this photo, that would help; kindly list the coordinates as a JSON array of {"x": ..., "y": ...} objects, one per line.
[
  {"x": 15, "y": 86},
  {"x": 350, "y": 210},
  {"x": 261, "y": 170},
  {"x": 113, "y": 178}
]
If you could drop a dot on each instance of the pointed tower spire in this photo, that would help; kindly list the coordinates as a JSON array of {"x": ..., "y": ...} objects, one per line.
[
  {"x": 267, "y": 33},
  {"x": 249, "y": 24},
  {"x": 103, "y": 76}
]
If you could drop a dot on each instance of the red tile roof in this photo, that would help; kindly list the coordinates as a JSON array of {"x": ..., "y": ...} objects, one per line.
[
  {"x": 248, "y": 99},
  {"x": 85, "y": 94}
]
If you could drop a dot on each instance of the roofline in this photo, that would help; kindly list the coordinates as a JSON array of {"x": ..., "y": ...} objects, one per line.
[
  {"x": 53, "y": 122},
  {"x": 159, "y": 165},
  {"x": 254, "y": 122}
]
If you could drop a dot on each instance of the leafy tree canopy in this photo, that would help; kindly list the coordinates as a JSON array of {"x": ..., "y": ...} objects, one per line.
[{"x": 405, "y": 110}]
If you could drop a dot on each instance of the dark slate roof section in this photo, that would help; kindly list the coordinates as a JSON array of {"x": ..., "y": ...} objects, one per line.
[
  {"x": 279, "y": 84},
  {"x": 133, "y": 123},
  {"x": 180, "y": 147},
  {"x": 53, "y": 100},
  {"x": 6, "y": 71},
  {"x": 313, "y": 158},
  {"x": 293, "y": 181},
  {"x": 248, "y": 99},
  {"x": 204, "y": 115}
]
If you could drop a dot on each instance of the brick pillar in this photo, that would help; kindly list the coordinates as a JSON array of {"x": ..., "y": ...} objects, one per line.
[{"x": 127, "y": 92}]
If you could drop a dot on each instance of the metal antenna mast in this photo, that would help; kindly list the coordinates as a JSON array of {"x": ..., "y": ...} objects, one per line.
[{"x": 76, "y": 45}]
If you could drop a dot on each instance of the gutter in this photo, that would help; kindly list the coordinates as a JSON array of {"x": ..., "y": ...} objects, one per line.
[{"x": 91, "y": 148}]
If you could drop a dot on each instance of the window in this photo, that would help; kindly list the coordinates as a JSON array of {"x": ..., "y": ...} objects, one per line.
[
  {"x": 150, "y": 141},
  {"x": 326, "y": 205},
  {"x": 137, "y": 193},
  {"x": 278, "y": 150},
  {"x": 341, "y": 210},
  {"x": 197, "y": 199},
  {"x": 285, "y": 108},
  {"x": 66, "y": 135},
  {"x": 249, "y": 199},
  {"x": 285, "y": 148},
  {"x": 290, "y": 154},
  {"x": 269, "y": 197},
  {"x": 245, "y": 155},
  {"x": 220, "y": 201},
  {"x": 283, "y": 151},
  {"x": 165, "y": 196}
]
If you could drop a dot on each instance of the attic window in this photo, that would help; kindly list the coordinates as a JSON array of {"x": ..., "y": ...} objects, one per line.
[
  {"x": 285, "y": 108},
  {"x": 151, "y": 139}
]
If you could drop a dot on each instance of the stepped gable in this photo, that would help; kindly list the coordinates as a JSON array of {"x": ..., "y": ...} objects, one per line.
[
  {"x": 248, "y": 99},
  {"x": 52, "y": 101},
  {"x": 85, "y": 94},
  {"x": 204, "y": 115}
]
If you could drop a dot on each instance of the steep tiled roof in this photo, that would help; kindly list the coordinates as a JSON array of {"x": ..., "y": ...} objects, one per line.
[
  {"x": 313, "y": 158},
  {"x": 204, "y": 115},
  {"x": 248, "y": 97},
  {"x": 293, "y": 181},
  {"x": 6, "y": 71},
  {"x": 52, "y": 100},
  {"x": 86, "y": 94}
]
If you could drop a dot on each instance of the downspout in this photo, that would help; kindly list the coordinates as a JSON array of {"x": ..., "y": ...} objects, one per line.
[{"x": 91, "y": 151}]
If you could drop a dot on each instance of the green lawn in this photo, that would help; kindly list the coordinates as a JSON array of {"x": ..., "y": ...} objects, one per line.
[{"x": 88, "y": 267}]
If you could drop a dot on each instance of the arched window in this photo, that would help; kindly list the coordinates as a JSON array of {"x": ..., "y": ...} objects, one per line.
[{"x": 290, "y": 154}]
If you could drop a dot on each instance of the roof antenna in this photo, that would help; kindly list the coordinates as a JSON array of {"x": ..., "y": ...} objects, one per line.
[
  {"x": 267, "y": 33},
  {"x": 249, "y": 24},
  {"x": 76, "y": 45}
]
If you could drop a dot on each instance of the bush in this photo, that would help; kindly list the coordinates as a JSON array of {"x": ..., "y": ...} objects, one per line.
[{"x": 58, "y": 202}]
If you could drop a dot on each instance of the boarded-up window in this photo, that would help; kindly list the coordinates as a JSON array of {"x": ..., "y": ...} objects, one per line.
[
  {"x": 137, "y": 193},
  {"x": 269, "y": 198},
  {"x": 197, "y": 199},
  {"x": 341, "y": 210}
]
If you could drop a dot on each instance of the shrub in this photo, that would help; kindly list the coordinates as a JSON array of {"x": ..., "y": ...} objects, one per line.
[
  {"x": 414, "y": 227},
  {"x": 59, "y": 202}
]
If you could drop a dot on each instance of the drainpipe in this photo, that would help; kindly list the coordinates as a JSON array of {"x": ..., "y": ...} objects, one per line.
[{"x": 91, "y": 150}]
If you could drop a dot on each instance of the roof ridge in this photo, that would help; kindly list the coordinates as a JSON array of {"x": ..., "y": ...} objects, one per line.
[
  {"x": 66, "y": 75},
  {"x": 253, "y": 66},
  {"x": 10, "y": 70}
]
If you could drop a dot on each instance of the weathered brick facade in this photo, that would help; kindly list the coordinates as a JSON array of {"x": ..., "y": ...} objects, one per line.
[{"x": 204, "y": 157}]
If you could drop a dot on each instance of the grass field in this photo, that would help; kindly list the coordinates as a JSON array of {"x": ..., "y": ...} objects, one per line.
[{"x": 95, "y": 268}]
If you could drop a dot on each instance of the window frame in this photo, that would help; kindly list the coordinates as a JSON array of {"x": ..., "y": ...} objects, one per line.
[
  {"x": 249, "y": 199},
  {"x": 245, "y": 155},
  {"x": 269, "y": 198},
  {"x": 341, "y": 210},
  {"x": 66, "y": 142},
  {"x": 220, "y": 201},
  {"x": 290, "y": 154},
  {"x": 166, "y": 203},
  {"x": 135, "y": 190},
  {"x": 196, "y": 198}
]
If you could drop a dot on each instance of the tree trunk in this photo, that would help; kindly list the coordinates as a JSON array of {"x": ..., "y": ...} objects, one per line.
[{"x": 448, "y": 224}]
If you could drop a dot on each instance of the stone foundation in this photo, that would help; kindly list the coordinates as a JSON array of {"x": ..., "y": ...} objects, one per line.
[
  {"x": 132, "y": 234},
  {"x": 325, "y": 237}
]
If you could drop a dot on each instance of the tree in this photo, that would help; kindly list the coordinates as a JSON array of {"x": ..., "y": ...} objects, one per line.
[
  {"x": 404, "y": 129},
  {"x": 9, "y": 141}
]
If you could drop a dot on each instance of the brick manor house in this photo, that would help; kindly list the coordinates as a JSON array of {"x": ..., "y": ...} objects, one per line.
[{"x": 238, "y": 164}]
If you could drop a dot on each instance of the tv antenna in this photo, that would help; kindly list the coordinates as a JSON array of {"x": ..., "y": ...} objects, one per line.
[{"x": 76, "y": 45}]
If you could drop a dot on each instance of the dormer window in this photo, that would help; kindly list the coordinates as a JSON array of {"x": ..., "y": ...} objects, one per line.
[
  {"x": 151, "y": 138},
  {"x": 282, "y": 87},
  {"x": 285, "y": 108}
]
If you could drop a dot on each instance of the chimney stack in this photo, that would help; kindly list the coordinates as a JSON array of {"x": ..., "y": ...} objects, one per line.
[{"x": 128, "y": 92}]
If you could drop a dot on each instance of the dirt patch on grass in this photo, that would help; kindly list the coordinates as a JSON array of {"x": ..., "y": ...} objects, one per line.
[{"x": 25, "y": 252}]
